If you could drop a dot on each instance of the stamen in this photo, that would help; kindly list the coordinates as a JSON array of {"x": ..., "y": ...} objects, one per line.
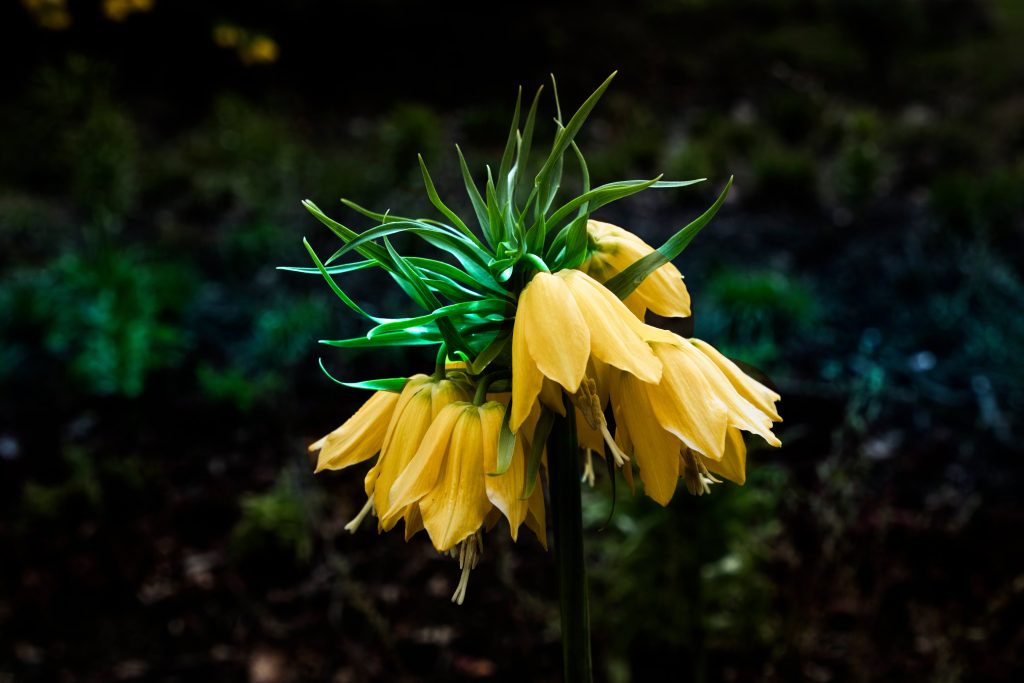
[
  {"x": 696, "y": 475},
  {"x": 618, "y": 454},
  {"x": 588, "y": 402},
  {"x": 588, "y": 468},
  {"x": 469, "y": 553},
  {"x": 358, "y": 519}
]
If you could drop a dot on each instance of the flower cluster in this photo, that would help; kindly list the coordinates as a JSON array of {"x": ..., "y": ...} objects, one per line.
[{"x": 546, "y": 314}]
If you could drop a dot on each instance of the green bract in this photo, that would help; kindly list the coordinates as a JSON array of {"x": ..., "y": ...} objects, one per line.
[{"x": 518, "y": 226}]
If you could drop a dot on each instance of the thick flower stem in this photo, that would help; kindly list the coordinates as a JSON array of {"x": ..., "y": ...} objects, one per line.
[{"x": 567, "y": 521}]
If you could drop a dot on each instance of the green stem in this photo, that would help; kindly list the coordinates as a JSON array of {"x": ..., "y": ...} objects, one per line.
[{"x": 567, "y": 521}]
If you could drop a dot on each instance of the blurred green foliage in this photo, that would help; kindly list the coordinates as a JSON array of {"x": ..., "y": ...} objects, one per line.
[{"x": 275, "y": 523}]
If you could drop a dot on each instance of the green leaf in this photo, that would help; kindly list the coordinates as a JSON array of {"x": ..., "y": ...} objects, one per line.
[
  {"x": 371, "y": 251},
  {"x": 401, "y": 338},
  {"x": 567, "y": 134},
  {"x": 608, "y": 193},
  {"x": 540, "y": 439},
  {"x": 492, "y": 351},
  {"x": 451, "y": 336},
  {"x": 506, "y": 445},
  {"x": 435, "y": 199},
  {"x": 333, "y": 270},
  {"x": 336, "y": 289},
  {"x": 506, "y": 183},
  {"x": 525, "y": 142},
  {"x": 481, "y": 306},
  {"x": 392, "y": 384},
  {"x": 479, "y": 207},
  {"x": 623, "y": 284}
]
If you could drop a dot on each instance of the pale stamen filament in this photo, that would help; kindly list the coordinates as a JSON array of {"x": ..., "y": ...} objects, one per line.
[
  {"x": 588, "y": 468},
  {"x": 469, "y": 553},
  {"x": 358, "y": 519}
]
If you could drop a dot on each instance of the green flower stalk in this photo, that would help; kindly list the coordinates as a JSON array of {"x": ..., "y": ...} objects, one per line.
[{"x": 543, "y": 356}]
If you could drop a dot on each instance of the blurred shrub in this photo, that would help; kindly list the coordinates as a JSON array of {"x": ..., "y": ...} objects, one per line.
[
  {"x": 674, "y": 579},
  {"x": 260, "y": 363},
  {"x": 103, "y": 154},
  {"x": 275, "y": 524},
  {"x": 751, "y": 314},
  {"x": 245, "y": 157},
  {"x": 783, "y": 174},
  {"x": 108, "y": 316},
  {"x": 989, "y": 204},
  {"x": 859, "y": 166}
]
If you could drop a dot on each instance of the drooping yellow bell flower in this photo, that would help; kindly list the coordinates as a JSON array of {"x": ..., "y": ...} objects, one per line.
[
  {"x": 562, "y": 321},
  {"x": 360, "y": 437},
  {"x": 690, "y": 422},
  {"x": 421, "y": 402},
  {"x": 448, "y": 476},
  {"x": 613, "y": 250},
  {"x": 393, "y": 425}
]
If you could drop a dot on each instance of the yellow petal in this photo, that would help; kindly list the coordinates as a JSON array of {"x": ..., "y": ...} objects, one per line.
[
  {"x": 527, "y": 379},
  {"x": 655, "y": 450},
  {"x": 742, "y": 413},
  {"x": 554, "y": 329},
  {"x": 685, "y": 404},
  {"x": 455, "y": 507},
  {"x": 613, "y": 337},
  {"x": 536, "y": 518},
  {"x": 360, "y": 437},
  {"x": 752, "y": 390},
  {"x": 407, "y": 432},
  {"x": 503, "y": 490},
  {"x": 733, "y": 465},
  {"x": 551, "y": 396},
  {"x": 422, "y": 472}
]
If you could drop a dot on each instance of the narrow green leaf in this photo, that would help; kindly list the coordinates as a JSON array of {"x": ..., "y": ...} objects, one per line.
[
  {"x": 435, "y": 199},
  {"x": 336, "y": 289},
  {"x": 567, "y": 134},
  {"x": 371, "y": 251},
  {"x": 492, "y": 351},
  {"x": 333, "y": 270},
  {"x": 392, "y": 384},
  {"x": 540, "y": 439},
  {"x": 623, "y": 284},
  {"x": 506, "y": 159},
  {"x": 526, "y": 141},
  {"x": 451, "y": 336},
  {"x": 402, "y": 338},
  {"x": 506, "y": 445},
  {"x": 482, "y": 306},
  {"x": 479, "y": 207}
]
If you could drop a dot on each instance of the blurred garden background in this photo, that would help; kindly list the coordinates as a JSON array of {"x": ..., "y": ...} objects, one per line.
[{"x": 159, "y": 379}]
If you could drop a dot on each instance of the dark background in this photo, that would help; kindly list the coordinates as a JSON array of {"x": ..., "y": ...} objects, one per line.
[{"x": 159, "y": 520}]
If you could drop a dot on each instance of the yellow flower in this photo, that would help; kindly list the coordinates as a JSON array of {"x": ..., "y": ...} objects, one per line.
[
  {"x": 563, "y": 320},
  {"x": 447, "y": 480},
  {"x": 393, "y": 425},
  {"x": 614, "y": 250},
  {"x": 690, "y": 422},
  {"x": 360, "y": 437},
  {"x": 447, "y": 477},
  {"x": 422, "y": 400}
]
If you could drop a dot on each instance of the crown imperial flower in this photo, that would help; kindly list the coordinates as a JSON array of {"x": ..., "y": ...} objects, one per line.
[{"x": 538, "y": 320}]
